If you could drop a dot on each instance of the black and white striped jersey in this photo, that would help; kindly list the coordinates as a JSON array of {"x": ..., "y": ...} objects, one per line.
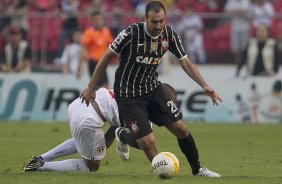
[{"x": 139, "y": 56}]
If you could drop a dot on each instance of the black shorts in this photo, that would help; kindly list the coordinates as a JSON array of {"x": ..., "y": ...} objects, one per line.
[
  {"x": 156, "y": 106},
  {"x": 91, "y": 66}
]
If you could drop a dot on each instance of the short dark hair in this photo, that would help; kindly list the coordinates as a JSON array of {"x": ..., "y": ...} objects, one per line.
[{"x": 155, "y": 6}]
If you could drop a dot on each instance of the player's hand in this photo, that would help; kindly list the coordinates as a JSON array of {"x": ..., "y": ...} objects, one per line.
[
  {"x": 88, "y": 95},
  {"x": 212, "y": 94}
]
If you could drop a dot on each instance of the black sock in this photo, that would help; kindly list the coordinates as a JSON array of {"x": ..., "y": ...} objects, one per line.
[
  {"x": 188, "y": 147},
  {"x": 126, "y": 137}
]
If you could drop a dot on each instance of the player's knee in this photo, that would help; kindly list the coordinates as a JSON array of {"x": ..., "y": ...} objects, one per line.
[
  {"x": 182, "y": 130},
  {"x": 147, "y": 142},
  {"x": 179, "y": 129},
  {"x": 93, "y": 165}
]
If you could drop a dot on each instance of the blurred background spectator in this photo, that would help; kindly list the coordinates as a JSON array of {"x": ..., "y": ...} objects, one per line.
[
  {"x": 95, "y": 41},
  {"x": 71, "y": 55},
  {"x": 174, "y": 14},
  {"x": 261, "y": 12},
  {"x": 69, "y": 19},
  {"x": 117, "y": 21},
  {"x": 190, "y": 28},
  {"x": 261, "y": 54},
  {"x": 17, "y": 12},
  {"x": 223, "y": 28},
  {"x": 43, "y": 31},
  {"x": 4, "y": 19},
  {"x": 240, "y": 26},
  {"x": 140, "y": 9},
  {"x": 17, "y": 53},
  {"x": 95, "y": 5}
]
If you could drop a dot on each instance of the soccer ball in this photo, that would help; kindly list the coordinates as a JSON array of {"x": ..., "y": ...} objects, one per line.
[{"x": 165, "y": 165}]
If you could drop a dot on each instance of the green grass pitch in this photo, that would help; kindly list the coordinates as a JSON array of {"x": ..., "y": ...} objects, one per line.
[{"x": 241, "y": 153}]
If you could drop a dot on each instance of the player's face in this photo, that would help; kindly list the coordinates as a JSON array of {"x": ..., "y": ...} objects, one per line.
[{"x": 155, "y": 22}]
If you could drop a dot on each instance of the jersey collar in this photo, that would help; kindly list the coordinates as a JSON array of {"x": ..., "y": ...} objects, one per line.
[{"x": 153, "y": 37}]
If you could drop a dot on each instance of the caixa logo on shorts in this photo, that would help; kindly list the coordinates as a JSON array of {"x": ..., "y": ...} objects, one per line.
[{"x": 134, "y": 126}]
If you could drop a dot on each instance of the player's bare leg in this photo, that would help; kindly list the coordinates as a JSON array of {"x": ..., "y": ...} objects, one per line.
[
  {"x": 148, "y": 145},
  {"x": 186, "y": 144}
]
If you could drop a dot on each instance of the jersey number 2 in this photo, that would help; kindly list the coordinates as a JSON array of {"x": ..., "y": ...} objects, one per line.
[{"x": 173, "y": 107}]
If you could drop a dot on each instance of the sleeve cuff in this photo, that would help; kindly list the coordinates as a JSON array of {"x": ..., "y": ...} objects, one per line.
[
  {"x": 113, "y": 50},
  {"x": 184, "y": 57}
]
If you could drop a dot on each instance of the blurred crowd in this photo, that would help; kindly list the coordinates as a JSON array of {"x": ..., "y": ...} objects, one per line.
[{"x": 35, "y": 33}]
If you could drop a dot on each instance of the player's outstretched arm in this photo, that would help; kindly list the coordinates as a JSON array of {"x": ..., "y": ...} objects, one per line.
[
  {"x": 88, "y": 94},
  {"x": 194, "y": 73}
]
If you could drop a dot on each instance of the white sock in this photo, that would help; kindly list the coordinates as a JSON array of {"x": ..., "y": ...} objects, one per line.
[
  {"x": 66, "y": 148},
  {"x": 65, "y": 165}
]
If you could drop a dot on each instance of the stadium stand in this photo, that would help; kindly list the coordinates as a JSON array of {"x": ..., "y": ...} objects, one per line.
[{"x": 44, "y": 25}]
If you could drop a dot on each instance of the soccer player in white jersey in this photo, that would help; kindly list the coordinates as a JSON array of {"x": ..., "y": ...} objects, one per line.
[{"x": 89, "y": 140}]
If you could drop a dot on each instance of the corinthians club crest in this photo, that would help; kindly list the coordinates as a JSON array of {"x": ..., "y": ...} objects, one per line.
[
  {"x": 134, "y": 126},
  {"x": 165, "y": 45}
]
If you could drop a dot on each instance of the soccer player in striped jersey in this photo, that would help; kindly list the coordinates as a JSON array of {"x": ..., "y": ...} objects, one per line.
[{"x": 140, "y": 48}]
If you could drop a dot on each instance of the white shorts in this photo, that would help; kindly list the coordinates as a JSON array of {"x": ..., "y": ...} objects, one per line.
[{"x": 87, "y": 130}]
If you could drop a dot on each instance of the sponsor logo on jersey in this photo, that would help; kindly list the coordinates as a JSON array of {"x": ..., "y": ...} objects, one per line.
[
  {"x": 148, "y": 60},
  {"x": 119, "y": 39}
]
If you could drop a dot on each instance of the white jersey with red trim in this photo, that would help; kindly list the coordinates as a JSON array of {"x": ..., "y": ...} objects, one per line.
[{"x": 106, "y": 101}]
